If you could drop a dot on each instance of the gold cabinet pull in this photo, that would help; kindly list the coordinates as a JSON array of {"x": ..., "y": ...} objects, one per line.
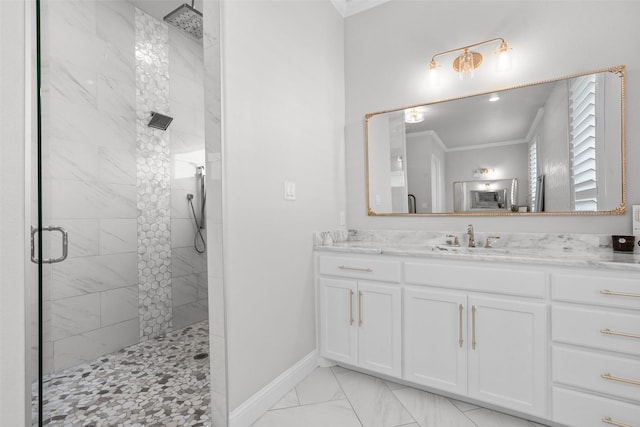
[
  {"x": 366, "y": 270},
  {"x": 621, "y": 334},
  {"x": 619, "y": 294},
  {"x": 350, "y": 306},
  {"x": 608, "y": 420},
  {"x": 359, "y": 308},
  {"x": 621, "y": 380},
  {"x": 460, "y": 341},
  {"x": 473, "y": 327}
]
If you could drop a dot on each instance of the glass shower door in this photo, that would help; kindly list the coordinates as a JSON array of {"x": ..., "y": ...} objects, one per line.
[{"x": 114, "y": 201}]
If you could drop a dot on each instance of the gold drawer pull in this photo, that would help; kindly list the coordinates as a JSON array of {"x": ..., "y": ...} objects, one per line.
[
  {"x": 350, "y": 306},
  {"x": 608, "y": 420},
  {"x": 621, "y": 380},
  {"x": 622, "y": 334},
  {"x": 473, "y": 327},
  {"x": 460, "y": 340},
  {"x": 366, "y": 270},
  {"x": 620, "y": 294}
]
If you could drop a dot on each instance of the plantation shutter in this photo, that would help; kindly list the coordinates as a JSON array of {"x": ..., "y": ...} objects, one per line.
[
  {"x": 582, "y": 135},
  {"x": 533, "y": 174}
]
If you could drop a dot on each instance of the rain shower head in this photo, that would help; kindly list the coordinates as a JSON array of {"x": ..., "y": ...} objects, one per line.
[
  {"x": 187, "y": 19},
  {"x": 159, "y": 121}
]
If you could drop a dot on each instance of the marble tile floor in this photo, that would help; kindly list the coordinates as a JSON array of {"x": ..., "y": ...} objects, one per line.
[
  {"x": 338, "y": 397},
  {"x": 154, "y": 383}
]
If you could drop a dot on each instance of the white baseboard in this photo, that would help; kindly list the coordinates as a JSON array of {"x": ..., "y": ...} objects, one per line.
[
  {"x": 254, "y": 407},
  {"x": 325, "y": 363}
]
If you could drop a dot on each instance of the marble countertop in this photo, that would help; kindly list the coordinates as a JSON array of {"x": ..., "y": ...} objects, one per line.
[{"x": 560, "y": 255}]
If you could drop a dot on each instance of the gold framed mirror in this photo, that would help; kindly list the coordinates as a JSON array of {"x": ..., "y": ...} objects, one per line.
[{"x": 559, "y": 144}]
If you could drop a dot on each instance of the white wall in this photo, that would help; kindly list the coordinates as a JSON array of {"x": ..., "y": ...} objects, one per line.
[
  {"x": 13, "y": 328},
  {"x": 418, "y": 160},
  {"x": 379, "y": 160},
  {"x": 388, "y": 48},
  {"x": 283, "y": 109},
  {"x": 553, "y": 158}
]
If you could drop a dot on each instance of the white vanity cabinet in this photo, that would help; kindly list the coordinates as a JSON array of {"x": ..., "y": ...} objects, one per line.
[
  {"x": 558, "y": 343},
  {"x": 486, "y": 346},
  {"x": 507, "y": 353},
  {"x": 435, "y": 338},
  {"x": 359, "y": 317},
  {"x": 596, "y": 348}
]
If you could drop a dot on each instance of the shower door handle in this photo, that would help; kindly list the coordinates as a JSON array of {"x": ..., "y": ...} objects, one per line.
[{"x": 65, "y": 244}]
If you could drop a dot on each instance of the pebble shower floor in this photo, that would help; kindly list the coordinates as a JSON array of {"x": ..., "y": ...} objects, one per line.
[{"x": 154, "y": 383}]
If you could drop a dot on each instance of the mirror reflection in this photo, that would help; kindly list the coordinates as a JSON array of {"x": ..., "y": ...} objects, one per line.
[{"x": 550, "y": 147}]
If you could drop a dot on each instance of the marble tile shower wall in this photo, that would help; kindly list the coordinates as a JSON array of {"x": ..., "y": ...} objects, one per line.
[
  {"x": 154, "y": 174},
  {"x": 89, "y": 130}
]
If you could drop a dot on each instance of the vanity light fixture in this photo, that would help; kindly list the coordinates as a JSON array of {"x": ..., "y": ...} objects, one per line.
[
  {"x": 413, "y": 115},
  {"x": 468, "y": 61},
  {"x": 483, "y": 173}
]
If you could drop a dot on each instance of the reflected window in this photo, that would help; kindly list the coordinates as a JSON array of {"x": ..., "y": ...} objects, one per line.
[
  {"x": 533, "y": 174},
  {"x": 582, "y": 135}
]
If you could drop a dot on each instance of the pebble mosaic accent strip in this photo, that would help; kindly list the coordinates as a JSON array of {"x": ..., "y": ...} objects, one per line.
[
  {"x": 159, "y": 382},
  {"x": 153, "y": 178}
]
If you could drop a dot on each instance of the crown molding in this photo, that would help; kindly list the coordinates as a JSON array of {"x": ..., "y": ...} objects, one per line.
[{"x": 348, "y": 8}]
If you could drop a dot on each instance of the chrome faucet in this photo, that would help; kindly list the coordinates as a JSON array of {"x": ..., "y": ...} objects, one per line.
[
  {"x": 490, "y": 241},
  {"x": 455, "y": 242},
  {"x": 472, "y": 239}
]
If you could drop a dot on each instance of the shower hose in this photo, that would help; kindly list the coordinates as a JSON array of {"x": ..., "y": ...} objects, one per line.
[{"x": 198, "y": 237}]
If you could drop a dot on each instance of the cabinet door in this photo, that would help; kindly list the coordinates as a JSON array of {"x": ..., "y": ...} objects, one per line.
[
  {"x": 379, "y": 333},
  {"x": 507, "y": 353},
  {"x": 338, "y": 327},
  {"x": 435, "y": 346}
]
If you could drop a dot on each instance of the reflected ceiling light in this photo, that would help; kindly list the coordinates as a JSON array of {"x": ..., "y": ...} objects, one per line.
[
  {"x": 468, "y": 61},
  {"x": 494, "y": 98},
  {"x": 413, "y": 115}
]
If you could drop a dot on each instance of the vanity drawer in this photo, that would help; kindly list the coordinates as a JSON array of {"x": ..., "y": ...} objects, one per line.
[
  {"x": 361, "y": 268},
  {"x": 609, "y": 291},
  {"x": 507, "y": 281},
  {"x": 585, "y": 369},
  {"x": 608, "y": 330},
  {"x": 577, "y": 409}
]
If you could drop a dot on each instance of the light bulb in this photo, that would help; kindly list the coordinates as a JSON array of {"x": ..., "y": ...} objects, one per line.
[
  {"x": 434, "y": 74},
  {"x": 503, "y": 62}
]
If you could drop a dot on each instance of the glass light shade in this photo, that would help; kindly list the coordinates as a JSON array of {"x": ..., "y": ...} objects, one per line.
[
  {"x": 503, "y": 62},
  {"x": 466, "y": 65},
  {"x": 413, "y": 116},
  {"x": 434, "y": 73}
]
